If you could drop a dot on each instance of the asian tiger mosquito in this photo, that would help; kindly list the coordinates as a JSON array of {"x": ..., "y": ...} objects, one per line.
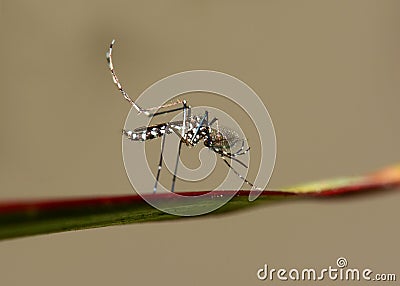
[{"x": 191, "y": 130}]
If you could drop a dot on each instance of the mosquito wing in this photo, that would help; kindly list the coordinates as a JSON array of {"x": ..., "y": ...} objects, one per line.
[{"x": 230, "y": 139}]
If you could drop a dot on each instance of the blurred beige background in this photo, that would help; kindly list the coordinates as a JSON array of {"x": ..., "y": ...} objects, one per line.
[{"x": 328, "y": 72}]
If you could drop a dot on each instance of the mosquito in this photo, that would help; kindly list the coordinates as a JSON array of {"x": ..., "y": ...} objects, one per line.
[{"x": 191, "y": 130}]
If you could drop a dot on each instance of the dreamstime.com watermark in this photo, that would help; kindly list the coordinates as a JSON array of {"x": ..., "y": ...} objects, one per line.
[{"x": 340, "y": 272}]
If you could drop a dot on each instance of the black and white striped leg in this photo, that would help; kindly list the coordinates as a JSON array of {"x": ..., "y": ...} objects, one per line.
[
  {"x": 213, "y": 121},
  {"x": 186, "y": 110},
  {"x": 176, "y": 166},
  {"x": 160, "y": 162},
  {"x": 186, "y": 116},
  {"x": 187, "y": 113},
  {"x": 148, "y": 112},
  {"x": 238, "y": 174}
]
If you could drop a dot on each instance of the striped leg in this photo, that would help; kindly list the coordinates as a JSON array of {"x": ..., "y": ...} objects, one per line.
[
  {"x": 187, "y": 113},
  {"x": 176, "y": 166},
  {"x": 239, "y": 175},
  {"x": 160, "y": 162},
  {"x": 148, "y": 112}
]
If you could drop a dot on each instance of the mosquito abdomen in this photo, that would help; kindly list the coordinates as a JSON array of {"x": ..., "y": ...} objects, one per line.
[{"x": 147, "y": 133}]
